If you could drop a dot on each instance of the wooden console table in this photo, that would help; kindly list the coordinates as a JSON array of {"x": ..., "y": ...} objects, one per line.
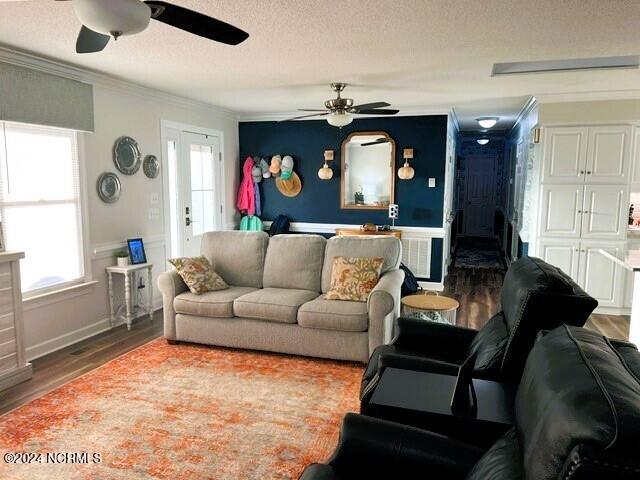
[{"x": 356, "y": 232}]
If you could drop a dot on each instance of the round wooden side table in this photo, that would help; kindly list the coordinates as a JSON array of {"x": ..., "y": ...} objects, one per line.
[{"x": 444, "y": 306}]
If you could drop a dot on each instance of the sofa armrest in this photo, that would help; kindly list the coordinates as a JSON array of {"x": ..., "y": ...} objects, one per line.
[
  {"x": 383, "y": 306},
  {"x": 369, "y": 445},
  {"x": 441, "y": 339},
  {"x": 170, "y": 284}
]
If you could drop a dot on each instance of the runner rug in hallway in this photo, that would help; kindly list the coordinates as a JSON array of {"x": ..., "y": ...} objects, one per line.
[{"x": 186, "y": 412}]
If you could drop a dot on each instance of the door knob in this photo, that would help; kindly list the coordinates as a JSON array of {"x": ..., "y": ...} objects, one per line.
[{"x": 187, "y": 221}]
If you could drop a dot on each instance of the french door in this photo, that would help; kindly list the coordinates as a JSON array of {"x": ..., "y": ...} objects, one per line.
[{"x": 194, "y": 173}]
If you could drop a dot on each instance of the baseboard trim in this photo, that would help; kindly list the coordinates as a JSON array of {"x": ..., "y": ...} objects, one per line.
[
  {"x": 75, "y": 336},
  {"x": 436, "y": 286},
  {"x": 612, "y": 311},
  {"x": 16, "y": 376}
]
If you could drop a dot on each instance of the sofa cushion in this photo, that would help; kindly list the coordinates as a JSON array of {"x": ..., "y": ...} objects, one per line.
[
  {"x": 531, "y": 289},
  {"x": 503, "y": 461},
  {"x": 218, "y": 304},
  {"x": 489, "y": 347},
  {"x": 272, "y": 304},
  {"x": 237, "y": 256},
  {"x": 578, "y": 391},
  {"x": 294, "y": 261},
  {"x": 334, "y": 315},
  {"x": 353, "y": 278},
  {"x": 389, "y": 248}
]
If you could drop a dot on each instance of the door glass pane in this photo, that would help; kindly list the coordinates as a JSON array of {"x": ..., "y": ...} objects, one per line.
[
  {"x": 197, "y": 212},
  {"x": 202, "y": 182}
]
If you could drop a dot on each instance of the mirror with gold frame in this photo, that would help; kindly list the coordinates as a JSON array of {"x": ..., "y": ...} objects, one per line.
[{"x": 367, "y": 181}]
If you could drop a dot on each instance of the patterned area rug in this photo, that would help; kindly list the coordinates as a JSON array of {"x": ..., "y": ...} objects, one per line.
[
  {"x": 478, "y": 253},
  {"x": 185, "y": 412}
]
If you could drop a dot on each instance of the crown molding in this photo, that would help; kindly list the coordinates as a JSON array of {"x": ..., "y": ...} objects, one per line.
[
  {"x": 454, "y": 119},
  {"x": 278, "y": 116},
  {"x": 61, "y": 69},
  {"x": 600, "y": 95},
  {"x": 526, "y": 109}
]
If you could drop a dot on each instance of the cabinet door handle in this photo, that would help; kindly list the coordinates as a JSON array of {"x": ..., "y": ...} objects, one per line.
[
  {"x": 579, "y": 211},
  {"x": 588, "y": 172},
  {"x": 581, "y": 172},
  {"x": 586, "y": 211}
]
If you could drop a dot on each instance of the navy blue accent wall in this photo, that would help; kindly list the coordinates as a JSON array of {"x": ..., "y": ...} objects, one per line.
[{"x": 319, "y": 200}]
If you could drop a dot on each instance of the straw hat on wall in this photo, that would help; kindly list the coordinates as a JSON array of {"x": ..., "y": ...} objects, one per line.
[{"x": 291, "y": 187}]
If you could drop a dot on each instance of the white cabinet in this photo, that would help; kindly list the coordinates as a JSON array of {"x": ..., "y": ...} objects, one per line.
[
  {"x": 608, "y": 153},
  {"x": 600, "y": 277},
  {"x": 561, "y": 210},
  {"x": 595, "y": 155},
  {"x": 565, "y": 151},
  {"x": 589, "y": 211},
  {"x": 563, "y": 254},
  {"x": 635, "y": 158},
  {"x": 604, "y": 213},
  {"x": 14, "y": 367}
]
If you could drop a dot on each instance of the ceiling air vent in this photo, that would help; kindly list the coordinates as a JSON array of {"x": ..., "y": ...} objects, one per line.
[{"x": 598, "y": 63}]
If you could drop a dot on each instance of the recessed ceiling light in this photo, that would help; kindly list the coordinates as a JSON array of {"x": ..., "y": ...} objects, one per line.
[
  {"x": 482, "y": 141},
  {"x": 487, "y": 122},
  {"x": 597, "y": 63}
]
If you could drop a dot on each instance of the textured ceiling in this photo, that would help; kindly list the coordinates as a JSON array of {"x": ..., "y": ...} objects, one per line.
[{"x": 415, "y": 54}]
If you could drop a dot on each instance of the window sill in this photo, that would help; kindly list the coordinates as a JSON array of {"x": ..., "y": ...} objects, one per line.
[{"x": 66, "y": 293}]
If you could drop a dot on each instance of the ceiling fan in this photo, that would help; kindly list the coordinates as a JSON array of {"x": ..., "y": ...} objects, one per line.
[
  {"x": 103, "y": 19},
  {"x": 339, "y": 111}
]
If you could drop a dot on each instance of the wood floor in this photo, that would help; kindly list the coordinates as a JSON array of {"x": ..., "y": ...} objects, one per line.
[
  {"x": 58, "y": 368},
  {"x": 477, "y": 290}
]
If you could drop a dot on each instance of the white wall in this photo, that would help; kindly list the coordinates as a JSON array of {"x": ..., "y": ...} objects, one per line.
[{"x": 60, "y": 319}]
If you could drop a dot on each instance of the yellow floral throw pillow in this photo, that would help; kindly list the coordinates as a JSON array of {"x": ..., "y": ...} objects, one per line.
[
  {"x": 198, "y": 274},
  {"x": 353, "y": 278}
]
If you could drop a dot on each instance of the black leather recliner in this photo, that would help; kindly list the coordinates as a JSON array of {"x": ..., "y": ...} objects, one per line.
[
  {"x": 535, "y": 296},
  {"x": 577, "y": 416}
]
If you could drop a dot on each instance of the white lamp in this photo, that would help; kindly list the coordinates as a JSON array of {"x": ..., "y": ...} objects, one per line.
[
  {"x": 325, "y": 173},
  {"x": 482, "y": 141},
  {"x": 487, "y": 122},
  {"x": 115, "y": 17},
  {"x": 406, "y": 172},
  {"x": 339, "y": 118}
]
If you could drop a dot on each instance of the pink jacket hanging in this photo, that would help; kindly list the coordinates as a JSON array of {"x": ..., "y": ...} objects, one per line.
[{"x": 246, "y": 201}]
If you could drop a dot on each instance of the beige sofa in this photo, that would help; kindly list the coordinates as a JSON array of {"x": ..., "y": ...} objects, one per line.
[{"x": 275, "y": 301}]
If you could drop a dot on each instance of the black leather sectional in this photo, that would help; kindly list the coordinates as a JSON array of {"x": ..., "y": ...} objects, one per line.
[{"x": 577, "y": 416}]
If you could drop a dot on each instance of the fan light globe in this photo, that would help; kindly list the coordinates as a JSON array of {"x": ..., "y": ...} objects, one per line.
[
  {"x": 406, "y": 172},
  {"x": 482, "y": 141},
  {"x": 325, "y": 173},
  {"x": 113, "y": 17},
  {"x": 338, "y": 119}
]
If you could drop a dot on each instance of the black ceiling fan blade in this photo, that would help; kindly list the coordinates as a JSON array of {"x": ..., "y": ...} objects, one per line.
[
  {"x": 90, "y": 42},
  {"x": 305, "y": 116},
  {"x": 378, "y": 111},
  {"x": 196, "y": 23},
  {"x": 377, "y": 141},
  {"x": 369, "y": 106}
]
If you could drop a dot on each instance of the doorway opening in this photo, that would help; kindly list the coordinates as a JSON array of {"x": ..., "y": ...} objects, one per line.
[
  {"x": 193, "y": 186},
  {"x": 481, "y": 189}
]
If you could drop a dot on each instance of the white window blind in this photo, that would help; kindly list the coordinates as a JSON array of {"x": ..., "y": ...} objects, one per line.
[{"x": 40, "y": 205}]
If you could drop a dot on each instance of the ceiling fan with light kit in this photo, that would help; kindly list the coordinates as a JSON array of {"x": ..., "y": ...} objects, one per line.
[
  {"x": 104, "y": 19},
  {"x": 340, "y": 111}
]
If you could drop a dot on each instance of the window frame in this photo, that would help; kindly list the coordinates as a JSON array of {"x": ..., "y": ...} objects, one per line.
[{"x": 81, "y": 202}]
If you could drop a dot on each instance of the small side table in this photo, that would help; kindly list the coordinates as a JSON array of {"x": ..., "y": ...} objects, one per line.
[
  {"x": 419, "y": 302},
  {"x": 128, "y": 272}
]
